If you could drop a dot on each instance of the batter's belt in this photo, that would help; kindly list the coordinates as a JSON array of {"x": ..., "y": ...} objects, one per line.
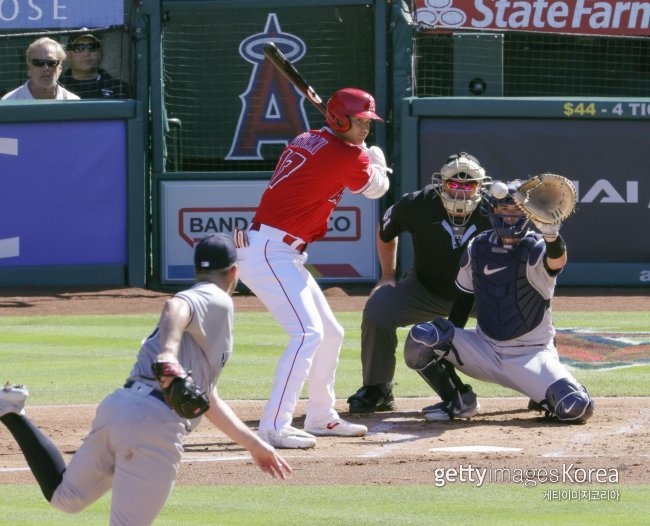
[{"x": 294, "y": 242}]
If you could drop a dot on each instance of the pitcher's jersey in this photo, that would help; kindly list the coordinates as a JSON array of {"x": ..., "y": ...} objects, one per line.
[
  {"x": 308, "y": 182},
  {"x": 206, "y": 343}
]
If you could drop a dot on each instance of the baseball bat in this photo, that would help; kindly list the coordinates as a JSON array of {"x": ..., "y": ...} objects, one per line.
[{"x": 285, "y": 67}]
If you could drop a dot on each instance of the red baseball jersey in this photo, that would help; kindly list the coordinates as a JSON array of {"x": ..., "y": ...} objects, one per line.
[{"x": 308, "y": 182}]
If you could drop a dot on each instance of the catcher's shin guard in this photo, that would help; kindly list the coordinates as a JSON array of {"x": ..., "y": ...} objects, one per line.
[
  {"x": 569, "y": 401},
  {"x": 428, "y": 343},
  {"x": 441, "y": 376}
]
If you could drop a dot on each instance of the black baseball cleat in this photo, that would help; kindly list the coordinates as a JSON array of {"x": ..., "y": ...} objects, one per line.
[
  {"x": 371, "y": 398},
  {"x": 535, "y": 406},
  {"x": 463, "y": 405}
]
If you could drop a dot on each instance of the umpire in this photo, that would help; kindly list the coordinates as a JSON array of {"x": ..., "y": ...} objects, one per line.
[{"x": 441, "y": 218}]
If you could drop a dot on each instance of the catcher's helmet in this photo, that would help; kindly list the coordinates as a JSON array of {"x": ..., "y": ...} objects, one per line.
[
  {"x": 505, "y": 225},
  {"x": 459, "y": 183},
  {"x": 346, "y": 103}
]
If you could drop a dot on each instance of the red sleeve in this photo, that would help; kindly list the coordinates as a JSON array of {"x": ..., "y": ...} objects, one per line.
[{"x": 357, "y": 176}]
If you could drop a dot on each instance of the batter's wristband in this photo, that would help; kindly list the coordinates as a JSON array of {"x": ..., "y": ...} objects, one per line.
[{"x": 555, "y": 249}]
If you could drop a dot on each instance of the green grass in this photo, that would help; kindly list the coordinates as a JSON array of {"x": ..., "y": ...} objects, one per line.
[
  {"x": 360, "y": 505},
  {"x": 79, "y": 359},
  {"x": 87, "y": 356}
]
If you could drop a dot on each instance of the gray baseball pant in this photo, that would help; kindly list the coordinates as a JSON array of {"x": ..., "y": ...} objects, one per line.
[{"x": 408, "y": 303}]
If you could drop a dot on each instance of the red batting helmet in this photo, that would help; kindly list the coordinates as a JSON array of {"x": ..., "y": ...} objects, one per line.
[{"x": 346, "y": 103}]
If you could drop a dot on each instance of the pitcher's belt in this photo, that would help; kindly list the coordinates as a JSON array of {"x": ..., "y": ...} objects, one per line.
[{"x": 154, "y": 392}]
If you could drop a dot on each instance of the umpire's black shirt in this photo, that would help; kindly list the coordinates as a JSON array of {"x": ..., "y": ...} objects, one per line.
[{"x": 437, "y": 250}]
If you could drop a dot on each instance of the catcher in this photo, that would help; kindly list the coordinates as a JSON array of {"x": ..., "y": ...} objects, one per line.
[
  {"x": 136, "y": 440},
  {"x": 511, "y": 272}
]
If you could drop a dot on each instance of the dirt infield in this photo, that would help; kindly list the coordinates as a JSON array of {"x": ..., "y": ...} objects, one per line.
[
  {"x": 401, "y": 447},
  {"x": 40, "y": 301}
]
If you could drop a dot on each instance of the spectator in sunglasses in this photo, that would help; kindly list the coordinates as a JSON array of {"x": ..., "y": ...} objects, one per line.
[
  {"x": 85, "y": 77},
  {"x": 44, "y": 59}
]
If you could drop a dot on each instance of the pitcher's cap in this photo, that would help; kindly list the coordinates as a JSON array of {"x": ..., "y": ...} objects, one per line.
[{"x": 215, "y": 252}]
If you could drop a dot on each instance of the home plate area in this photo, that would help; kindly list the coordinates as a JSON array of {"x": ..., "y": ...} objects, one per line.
[{"x": 400, "y": 448}]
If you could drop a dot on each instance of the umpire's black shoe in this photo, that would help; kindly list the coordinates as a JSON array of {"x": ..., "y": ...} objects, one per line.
[{"x": 371, "y": 398}]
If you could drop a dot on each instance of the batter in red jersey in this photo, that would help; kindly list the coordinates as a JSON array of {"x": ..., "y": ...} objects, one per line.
[{"x": 307, "y": 184}]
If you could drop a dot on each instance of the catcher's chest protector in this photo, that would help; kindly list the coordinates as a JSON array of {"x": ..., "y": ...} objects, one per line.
[{"x": 507, "y": 305}]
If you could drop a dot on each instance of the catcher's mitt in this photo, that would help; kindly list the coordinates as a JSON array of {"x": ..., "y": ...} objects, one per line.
[
  {"x": 182, "y": 394},
  {"x": 547, "y": 199}
]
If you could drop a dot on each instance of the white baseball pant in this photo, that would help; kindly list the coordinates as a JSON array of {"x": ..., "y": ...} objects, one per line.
[{"x": 276, "y": 273}]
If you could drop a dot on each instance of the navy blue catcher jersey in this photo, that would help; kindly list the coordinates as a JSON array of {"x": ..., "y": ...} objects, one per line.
[
  {"x": 437, "y": 247},
  {"x": 512, "y": 290}
]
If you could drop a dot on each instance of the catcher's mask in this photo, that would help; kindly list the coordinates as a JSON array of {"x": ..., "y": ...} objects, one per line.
[
  {"x": 507, "y": 226},
  {"x": 346, "y": 103},
  {"x": 459, "y": 183}
]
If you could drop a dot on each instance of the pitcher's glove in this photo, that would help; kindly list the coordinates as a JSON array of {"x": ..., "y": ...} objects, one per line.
[
  {"x": 182, "y": 394},
  {"x": 547, "y": 200}
]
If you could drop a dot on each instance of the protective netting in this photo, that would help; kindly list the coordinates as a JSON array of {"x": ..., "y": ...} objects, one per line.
[
  {"x": 227, "y": 108},
  {"x": 530, "y": 64}
]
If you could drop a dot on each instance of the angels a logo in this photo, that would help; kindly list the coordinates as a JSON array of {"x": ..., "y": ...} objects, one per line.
[{"x": 272, "y": 109}]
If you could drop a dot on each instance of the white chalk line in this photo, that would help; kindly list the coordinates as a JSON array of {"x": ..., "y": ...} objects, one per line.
[
  {"x": 475, "y": 449},
  {"x": 13, "y": 470},
  {"x": 398, "y": 441},
  {"x": 580, "y": 439}
]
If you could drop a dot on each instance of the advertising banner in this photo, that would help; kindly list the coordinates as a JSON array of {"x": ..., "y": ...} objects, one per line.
[
  {"x": 59, "y": 14},
  {"x": 63, "y": 199},
  {"x": 192, "y": 210},
  {"x": 587, "y": 17},
  {"x": 605, "y": 159}
]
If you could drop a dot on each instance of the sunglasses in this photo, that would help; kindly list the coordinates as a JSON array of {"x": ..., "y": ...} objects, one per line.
[
  {"x": 42, "y": 63},
  {"x": 461, "y": 185},
  {"x": 90, "y": 46}
]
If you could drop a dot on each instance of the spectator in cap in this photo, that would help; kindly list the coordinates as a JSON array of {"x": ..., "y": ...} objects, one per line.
[
  {"x": 44, "y": 64},
  {"x": 85, "y": 77}
]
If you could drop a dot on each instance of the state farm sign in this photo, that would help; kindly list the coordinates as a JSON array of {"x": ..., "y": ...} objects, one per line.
[{"x": 590, "y": 17}]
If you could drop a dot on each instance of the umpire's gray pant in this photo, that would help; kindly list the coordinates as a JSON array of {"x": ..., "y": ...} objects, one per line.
[{"x": 408, "y": 303}]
